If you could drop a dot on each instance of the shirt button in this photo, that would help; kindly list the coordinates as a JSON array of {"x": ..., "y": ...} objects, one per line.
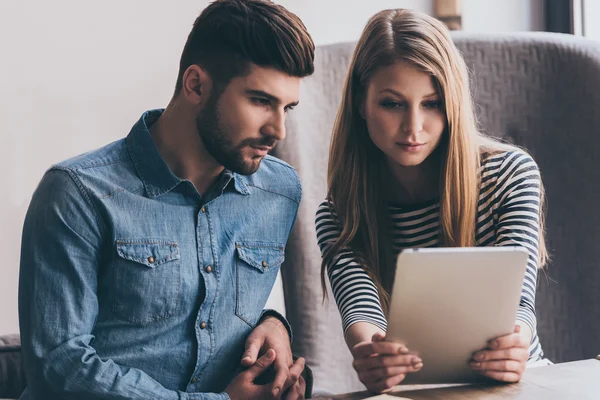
[
  {"x": 203, "y": 209},
  {"x": 194, "y": 380},
  {"x": 208, "y": 269},
  {"x": 203, "y": 325},
  {"x": 151, "y": 260},
  {"x": 264, "y": 264}
]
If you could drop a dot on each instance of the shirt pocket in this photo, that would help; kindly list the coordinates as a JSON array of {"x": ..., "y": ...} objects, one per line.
[
  {"x": 146, "y": 280},
  {"x": 257, "y": 264}
]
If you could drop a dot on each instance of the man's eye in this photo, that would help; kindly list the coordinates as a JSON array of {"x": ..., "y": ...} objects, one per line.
[{"x": 260, "y": 101}]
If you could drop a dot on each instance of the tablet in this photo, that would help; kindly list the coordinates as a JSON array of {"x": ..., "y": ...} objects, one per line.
[{"x": 447, "y": 303}]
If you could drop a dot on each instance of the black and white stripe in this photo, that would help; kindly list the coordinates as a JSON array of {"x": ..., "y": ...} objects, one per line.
[{"x": 508, "y": 215}]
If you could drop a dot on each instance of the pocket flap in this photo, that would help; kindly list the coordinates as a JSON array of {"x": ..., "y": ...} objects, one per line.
[
  {"x": 147, "y": 251},
  {"x": 260, "y": 255}
]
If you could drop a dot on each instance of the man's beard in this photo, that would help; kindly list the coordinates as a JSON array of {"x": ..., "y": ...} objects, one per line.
[{"x": 218, "y": 143}]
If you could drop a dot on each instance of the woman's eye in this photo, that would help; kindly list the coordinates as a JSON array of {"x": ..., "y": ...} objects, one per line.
[
  {"x": 391, "y": 104},
  {"x": 433, "y": 104}
]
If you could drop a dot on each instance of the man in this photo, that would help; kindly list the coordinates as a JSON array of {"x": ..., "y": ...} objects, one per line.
[{"x": 146, "y": 264}]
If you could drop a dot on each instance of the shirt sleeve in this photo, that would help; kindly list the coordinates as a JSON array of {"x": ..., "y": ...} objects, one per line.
[
  {"x": 353, "y": 289},
  {"x": 58, "y": 303},
  {"x": 518, "y": 225}
]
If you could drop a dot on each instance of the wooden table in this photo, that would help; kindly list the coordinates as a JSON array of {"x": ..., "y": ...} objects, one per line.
[{"x": 572, "y": 380}]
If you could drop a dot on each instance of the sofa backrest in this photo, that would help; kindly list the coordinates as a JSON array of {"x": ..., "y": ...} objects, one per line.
[{"x": 539, "y": 90}]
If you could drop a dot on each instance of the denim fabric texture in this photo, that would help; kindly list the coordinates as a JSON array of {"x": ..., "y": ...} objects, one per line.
[{"x": 133, "y": 285}]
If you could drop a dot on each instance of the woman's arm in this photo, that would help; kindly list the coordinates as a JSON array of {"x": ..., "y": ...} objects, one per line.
[
  {"x": 519, "y": 196},
  {"x": 361, "y": 332},
  {"x": 380, "y": 364},
  {"x": 353, "y": 289},
  {"x": 518, "y": 225}
]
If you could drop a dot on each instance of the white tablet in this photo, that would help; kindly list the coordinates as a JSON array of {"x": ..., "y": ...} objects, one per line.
[{"x": 447, "y": 303}]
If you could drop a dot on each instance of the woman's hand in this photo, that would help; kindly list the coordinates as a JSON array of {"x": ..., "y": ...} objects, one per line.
[
  {"x": 505, "y": 357},
  {"x": 383, "y": 364}
]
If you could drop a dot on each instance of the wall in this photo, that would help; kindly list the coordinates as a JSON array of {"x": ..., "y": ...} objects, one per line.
[
  {"x": 591, "y": 16},
  {"x": 503, "y": 16},
  {"x": 75, "y": 75}
]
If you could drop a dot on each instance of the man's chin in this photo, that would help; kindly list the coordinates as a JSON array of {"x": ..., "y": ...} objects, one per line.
[{"x": 248, "y": 167}]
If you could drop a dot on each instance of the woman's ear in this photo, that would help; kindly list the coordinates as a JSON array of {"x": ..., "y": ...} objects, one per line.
[{"x": 360, "y": 100}]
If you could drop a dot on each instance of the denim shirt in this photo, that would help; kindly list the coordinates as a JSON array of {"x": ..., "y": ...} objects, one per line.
[{"x": 133, "y": 285}]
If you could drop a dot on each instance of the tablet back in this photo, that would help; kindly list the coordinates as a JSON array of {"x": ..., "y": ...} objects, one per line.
[{"x": 448, "y": 302}]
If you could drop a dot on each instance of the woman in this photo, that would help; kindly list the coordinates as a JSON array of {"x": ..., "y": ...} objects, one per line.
[{"x": 408, "y": 168}]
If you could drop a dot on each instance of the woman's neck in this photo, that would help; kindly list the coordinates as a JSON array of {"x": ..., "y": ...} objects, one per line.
[{"x": 416, "y": 184}]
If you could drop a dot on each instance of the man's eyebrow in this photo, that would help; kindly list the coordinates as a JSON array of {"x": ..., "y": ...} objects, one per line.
[{"x": 255, "y": 92}]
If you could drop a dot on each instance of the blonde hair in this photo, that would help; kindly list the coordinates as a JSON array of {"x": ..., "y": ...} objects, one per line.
[{"x": 356, "y": 165}]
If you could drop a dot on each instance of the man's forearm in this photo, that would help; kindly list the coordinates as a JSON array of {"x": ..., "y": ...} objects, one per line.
[{"x": 75, "y": 370}]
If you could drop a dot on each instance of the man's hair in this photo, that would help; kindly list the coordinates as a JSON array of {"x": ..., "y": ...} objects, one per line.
[{"x": 230, "y": 35}]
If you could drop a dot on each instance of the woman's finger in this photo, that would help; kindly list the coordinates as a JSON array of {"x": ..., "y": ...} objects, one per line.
[
  {"x": 502, "y": 376},
  {"x": 377, "y": 374},
  {"x": 367, "y": 349},
  {"x": 386, "y": 384},
  {"x": 508, "y": 341},
  {"x": 363, "y": 364},
  {"x": 499, "y": 365},
  {"x": 514, "y": 353}
]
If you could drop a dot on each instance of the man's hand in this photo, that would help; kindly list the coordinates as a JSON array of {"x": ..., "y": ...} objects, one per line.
[
  {"x": 271, "y": 334},
  {"x": 243, "y": 386},
  {"x": 505, "y": 357}
]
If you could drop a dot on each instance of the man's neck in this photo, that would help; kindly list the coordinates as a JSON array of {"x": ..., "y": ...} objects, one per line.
[{"x": 176, "y": 137}]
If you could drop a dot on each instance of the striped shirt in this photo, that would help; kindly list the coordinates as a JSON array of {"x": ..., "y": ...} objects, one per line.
[{"x": 508, "y": 215}]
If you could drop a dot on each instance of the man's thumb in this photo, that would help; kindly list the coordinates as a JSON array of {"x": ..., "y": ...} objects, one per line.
[
  {"x": 261, "y": 364},
  {"x": 251, "y": 353}
]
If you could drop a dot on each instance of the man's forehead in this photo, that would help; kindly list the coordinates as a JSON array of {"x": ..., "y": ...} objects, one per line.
[{"x": 274, "y": 82}]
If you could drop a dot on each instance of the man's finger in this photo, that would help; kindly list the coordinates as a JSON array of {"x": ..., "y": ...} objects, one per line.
[
  {"x": 253, "y": 345},
  {"x": 261, "y": 365},
  {"x": 293, "y": 374},
  {"x": 283, "y": 379},
  {"x": 301, "y": 387},
  {"x": 295, "y": 371},
  {"x": 297, "y": 391}
]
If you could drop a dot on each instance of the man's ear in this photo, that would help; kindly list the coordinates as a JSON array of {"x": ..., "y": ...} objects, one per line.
[{"x": 196, "y": 85}]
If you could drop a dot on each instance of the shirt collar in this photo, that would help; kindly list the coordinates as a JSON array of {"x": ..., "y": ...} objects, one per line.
[{"x": 152, "y": 168}]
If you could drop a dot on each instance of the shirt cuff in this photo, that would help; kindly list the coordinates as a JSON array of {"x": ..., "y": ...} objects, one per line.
[
  {"x": 281, "y": 318},
  {"x": 204, "y": 396}
]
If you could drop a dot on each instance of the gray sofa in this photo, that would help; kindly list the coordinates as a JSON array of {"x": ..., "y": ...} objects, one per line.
[
  {"x": 539, "y": 90},
  {"x": 12, "y": 379}
]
